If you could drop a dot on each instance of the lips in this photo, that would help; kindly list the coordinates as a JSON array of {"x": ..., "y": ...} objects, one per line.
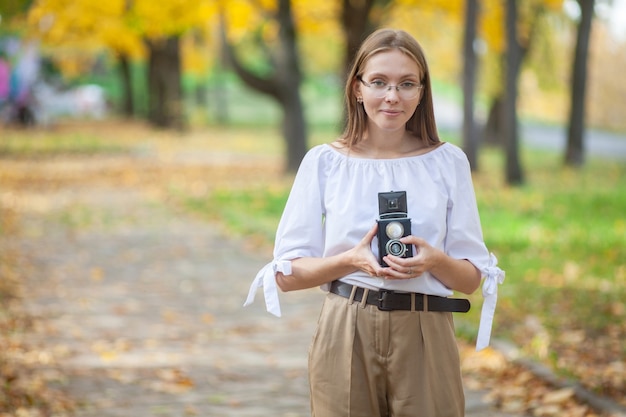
[{"x": 391, "y": 112}]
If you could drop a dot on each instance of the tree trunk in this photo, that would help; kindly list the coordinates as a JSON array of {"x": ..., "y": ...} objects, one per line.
[
  {"x": 283, "y": 85},
  {"x": 220, "y": 97},
  {"x": 294, "y": 129},
  {"x": 164, "y": 83},
  {"x": 128, "y": 104},
  {"x": 356, "y": 26},
  {"x": 358, "y": 22},
  {"x": 294, "y": 126},
  {"x": 514, "y": 173},
  {"x": 470, "y": 134},
  {"x": 492, "y": 133},
  {"x": 493, "y": 130},
  {"x": 575, "y": 155}
]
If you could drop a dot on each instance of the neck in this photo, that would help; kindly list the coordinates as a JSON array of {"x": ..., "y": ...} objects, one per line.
[{"x": 384, "y": 144}]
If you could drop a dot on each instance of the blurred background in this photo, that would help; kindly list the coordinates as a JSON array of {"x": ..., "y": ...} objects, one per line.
[
  {"x": 124, "y": 116},
  {"x": 195, "y": 63}
]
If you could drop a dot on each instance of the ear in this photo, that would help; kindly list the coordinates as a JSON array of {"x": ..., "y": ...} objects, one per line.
[{"x": 356, "y": 89}]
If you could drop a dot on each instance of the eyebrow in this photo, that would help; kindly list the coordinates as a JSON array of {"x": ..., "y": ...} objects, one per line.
[{"x": 382, "y": 75}]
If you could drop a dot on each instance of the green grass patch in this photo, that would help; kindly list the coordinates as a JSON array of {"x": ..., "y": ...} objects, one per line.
[
  {"x": 245, "y": 212},
  {"x": 561, "y": 239}
]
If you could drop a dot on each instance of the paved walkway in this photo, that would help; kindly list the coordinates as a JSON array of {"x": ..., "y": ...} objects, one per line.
[
  {"x": 597, "y": 143},
  {"x": 146, "y": 312}
]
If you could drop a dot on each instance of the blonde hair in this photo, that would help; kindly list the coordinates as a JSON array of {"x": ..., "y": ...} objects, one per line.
[{"x": 422, "y": 122}]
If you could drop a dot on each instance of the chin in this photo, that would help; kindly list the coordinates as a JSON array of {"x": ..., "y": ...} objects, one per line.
[{"x": 392, "y": 128}]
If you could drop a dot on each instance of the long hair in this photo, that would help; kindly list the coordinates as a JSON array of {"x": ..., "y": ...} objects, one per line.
[{"x": 422, "y": 122}]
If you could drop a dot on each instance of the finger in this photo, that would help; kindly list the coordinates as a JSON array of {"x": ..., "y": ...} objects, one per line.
[
  {"x": 412, "y": 239},
  {"x": 369, "y": 236},
  {"x": 378, "y": 272},
  {"x": 398, "y": 268},
  {"x": 397, "y": 263},
  {"x": 396, "y": 275}
]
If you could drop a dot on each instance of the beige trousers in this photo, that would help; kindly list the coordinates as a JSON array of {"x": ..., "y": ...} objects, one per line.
[{"x": 364, "y": 362}]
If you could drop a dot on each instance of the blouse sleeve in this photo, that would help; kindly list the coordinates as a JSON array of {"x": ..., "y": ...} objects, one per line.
[
  {"x": 299, "y": 233},
  {"x": 465, "y": 241}
]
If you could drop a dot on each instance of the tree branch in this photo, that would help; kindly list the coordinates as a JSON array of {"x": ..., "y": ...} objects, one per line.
[{"x": 267, "y": 85}]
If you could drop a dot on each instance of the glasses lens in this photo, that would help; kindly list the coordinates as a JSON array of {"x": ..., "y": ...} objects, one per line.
[
  {"x": 380, "y": 92},
  {"x": 405, "y": 93}
]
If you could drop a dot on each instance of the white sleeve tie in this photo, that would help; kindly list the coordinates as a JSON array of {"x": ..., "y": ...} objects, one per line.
[
  {"x": 266, "y": 278},
  {"x": 493, "y": 277}
]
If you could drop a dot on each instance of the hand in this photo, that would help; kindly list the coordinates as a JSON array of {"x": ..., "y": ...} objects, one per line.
[
  {"x": 425, "y": 257},
  {"x": 363, "y": 257}
]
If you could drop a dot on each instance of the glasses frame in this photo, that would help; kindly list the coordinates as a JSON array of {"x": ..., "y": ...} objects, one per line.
[{"x": 385, "y": 90}]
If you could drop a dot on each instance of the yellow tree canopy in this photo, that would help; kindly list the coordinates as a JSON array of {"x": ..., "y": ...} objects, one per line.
[
  {"x": 493, "y": 17},
  {"x": 122, "y": 25},
  {"x": 317, "y": 22},
  {"x": 83, "y": 24},
  {"x": 74, "y": 27}
]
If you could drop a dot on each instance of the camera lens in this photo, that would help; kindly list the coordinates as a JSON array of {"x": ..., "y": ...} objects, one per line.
[
  {"x": 394, "y": 230},
  {"x": 396, "y": 248}
]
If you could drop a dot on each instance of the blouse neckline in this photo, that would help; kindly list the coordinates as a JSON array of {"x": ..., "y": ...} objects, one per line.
[{"x": 435, "y": 150}]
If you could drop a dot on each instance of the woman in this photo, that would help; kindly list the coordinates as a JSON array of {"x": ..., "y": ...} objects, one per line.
[{"x": 385, "y": 342}]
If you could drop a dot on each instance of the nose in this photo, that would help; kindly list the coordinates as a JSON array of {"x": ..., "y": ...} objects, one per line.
[{"x": 395, "y": 93}]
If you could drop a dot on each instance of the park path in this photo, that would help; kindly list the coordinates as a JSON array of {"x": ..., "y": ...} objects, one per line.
[
  {"x": 143, "y": 309},
  {"x": 598, "y": 143}
]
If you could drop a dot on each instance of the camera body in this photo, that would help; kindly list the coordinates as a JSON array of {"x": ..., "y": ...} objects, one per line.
[{"x": 393, "y": 225}]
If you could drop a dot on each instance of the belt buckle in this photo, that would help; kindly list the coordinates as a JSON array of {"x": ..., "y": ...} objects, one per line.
[{"x": 383, "y": 297}]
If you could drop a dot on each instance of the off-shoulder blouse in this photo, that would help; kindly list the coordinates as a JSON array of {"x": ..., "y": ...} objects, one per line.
[{"x": 333, "y": 203}]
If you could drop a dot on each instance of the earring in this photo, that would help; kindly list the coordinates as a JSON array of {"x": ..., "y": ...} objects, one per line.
[{"x": 359, "y": 100}]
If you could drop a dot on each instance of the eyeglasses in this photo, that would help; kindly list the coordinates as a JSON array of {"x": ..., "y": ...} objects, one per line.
[{"x": 406, "y": 90}]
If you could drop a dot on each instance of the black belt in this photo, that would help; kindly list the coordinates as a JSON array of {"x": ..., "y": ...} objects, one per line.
[{"x": 388, "y": 300}]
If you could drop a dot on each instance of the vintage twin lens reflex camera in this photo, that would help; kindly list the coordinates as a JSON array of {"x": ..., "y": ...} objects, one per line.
[{"x": 393, "y": 224}]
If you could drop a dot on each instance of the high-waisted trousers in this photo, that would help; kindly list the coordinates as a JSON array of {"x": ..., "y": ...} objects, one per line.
[{"x": 364, "y": 362}]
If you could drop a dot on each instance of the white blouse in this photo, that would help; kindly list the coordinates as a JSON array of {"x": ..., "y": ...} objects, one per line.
[{"x": 334, "y": 202}]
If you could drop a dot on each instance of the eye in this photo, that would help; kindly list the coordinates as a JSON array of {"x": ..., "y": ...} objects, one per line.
[
  {"x": 378, "y": 83},
  {"x": 408, "y": 85}
]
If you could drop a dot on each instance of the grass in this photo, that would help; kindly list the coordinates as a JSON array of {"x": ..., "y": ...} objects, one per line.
[
  {"x": 253, "y": 211},
  {"x": 562, "y": 240}
]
